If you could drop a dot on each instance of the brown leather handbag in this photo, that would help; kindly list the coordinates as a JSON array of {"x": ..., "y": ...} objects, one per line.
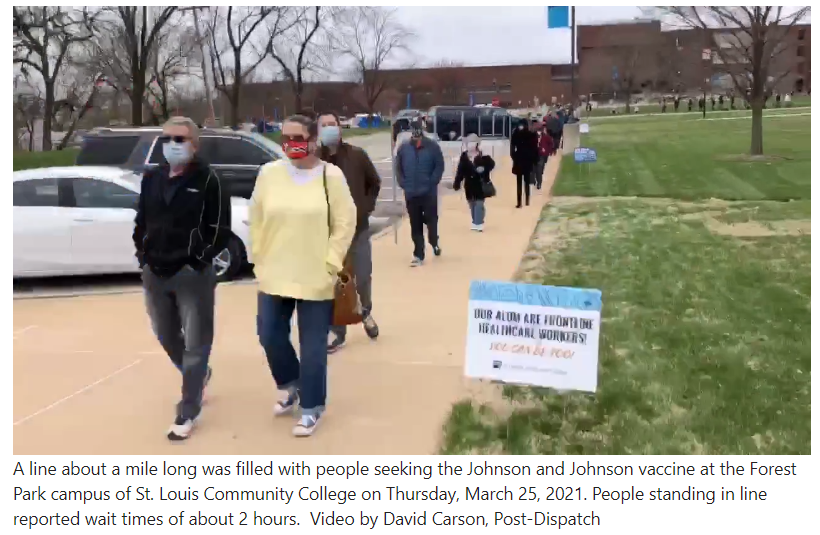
[{"x": 347, "y": 306}]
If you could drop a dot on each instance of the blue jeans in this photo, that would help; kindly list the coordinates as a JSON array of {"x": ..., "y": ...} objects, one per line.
[
  {"x": 181, "y": 308},
  {"x": 308, "y": 374},
  {"x": 477, "y": 211}
]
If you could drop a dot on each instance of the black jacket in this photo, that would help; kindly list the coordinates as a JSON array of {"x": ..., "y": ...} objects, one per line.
[
  {"x": 473, "y": 180},
  {"x": 185, "y": 220},
  {"x": 523, "y": 151}
]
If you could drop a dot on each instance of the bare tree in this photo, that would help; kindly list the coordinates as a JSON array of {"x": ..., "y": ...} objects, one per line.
[
  {"x": 81, "y": 97},
  {"x": 43, "y": 38},
  {"x": 179, "y": 47},
  {"x": 628, "y": 60},
  {"x": 126, "y": 49},
  {"x": 301, "y": 47},
  {"x": 238, "y": 47},
  {"x": 370, "y": 36},
  {"x": 748, "y": 43}
]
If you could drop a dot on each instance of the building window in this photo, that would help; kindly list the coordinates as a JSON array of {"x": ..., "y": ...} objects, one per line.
[
  {"x": 801, "y": 51},
  {"x": 801, "y": 34}
]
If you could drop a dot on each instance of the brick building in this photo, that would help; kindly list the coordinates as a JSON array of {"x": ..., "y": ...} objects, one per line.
[
  {"x": 612, "y": 58},
  {"x": 639, "y": 56}
]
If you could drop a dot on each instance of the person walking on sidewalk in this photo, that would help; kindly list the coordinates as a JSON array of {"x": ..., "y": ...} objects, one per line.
[
  {"x": 473, "y": 171},
  {"x": 364, "y": 183},
  {"x": 524, "y": 154},
  {"x": 419, "y": 168},
  {"x": 183, "y": 221},
  {"x": 545, "y": 148},
  {"x": 302, "y": 222}
]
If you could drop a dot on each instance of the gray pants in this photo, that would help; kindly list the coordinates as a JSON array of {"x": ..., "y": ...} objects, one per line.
[
  {"x": 181, "y": 309},
  {"x": 361, "y": 253}
]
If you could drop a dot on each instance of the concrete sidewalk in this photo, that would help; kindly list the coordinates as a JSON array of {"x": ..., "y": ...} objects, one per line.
[{"x": 385, "y": 397}]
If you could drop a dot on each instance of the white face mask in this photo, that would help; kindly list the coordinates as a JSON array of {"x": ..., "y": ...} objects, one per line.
[{"x": 177, "y": 154}]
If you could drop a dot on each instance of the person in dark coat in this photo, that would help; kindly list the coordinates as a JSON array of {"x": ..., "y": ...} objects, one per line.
[
  {"x": 474, "y": 168},
  {"x": 524, "y": 154}
]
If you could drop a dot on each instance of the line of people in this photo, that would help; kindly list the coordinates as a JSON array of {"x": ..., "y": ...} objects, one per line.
[
  {"x": 531, "y": 145},
  {"x": 320, "y": 198}
]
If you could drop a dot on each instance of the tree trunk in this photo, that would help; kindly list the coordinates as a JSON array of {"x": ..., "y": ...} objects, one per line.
[
  {"x": 236, "y": 91},
  {"x": 137, "y": 95},
  {"x": 31, "y": 137},
  {"x": 48, "y": 116},
  {"x": 757, "y": 128}
]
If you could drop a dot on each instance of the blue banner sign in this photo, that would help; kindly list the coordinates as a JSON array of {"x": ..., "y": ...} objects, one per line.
[{"x": 585, "y": 155}]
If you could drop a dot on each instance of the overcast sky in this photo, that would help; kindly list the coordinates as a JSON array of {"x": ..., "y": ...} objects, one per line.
[{"x": 497, "y": 35}]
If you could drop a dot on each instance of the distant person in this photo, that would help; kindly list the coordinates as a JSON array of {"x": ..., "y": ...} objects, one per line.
[
  {"x": 677, "y": 102},
  {"x": 663, "y": 105},
  {"x": 364, "y": 183},
  {"x": 302, "y": 222},
  {"x": 545, "y": 149},
  {"x": 777, "y": 100},
  {"x": 691, "y": 103},
  {"x": 732, "y": 101},
  {"x": 701, "y": 103},
  {"x": 555, "y": 129},
  {"x": 788, "y": 100},
  {"x": 419, "y": 168},
  {"x": 183, "y": 222},
  {"x": 524, "y": 154},
  {"x": 712, "y": 99},
  {"x": 720, "y": 101},
  {"x": 473, "y": 171}
]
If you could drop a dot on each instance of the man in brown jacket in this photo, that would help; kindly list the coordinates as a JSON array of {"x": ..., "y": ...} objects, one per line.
[{"x": 364, "y": 184}]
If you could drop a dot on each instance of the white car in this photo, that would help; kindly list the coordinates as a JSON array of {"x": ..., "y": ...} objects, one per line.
[{"x": 80, "y": 220}]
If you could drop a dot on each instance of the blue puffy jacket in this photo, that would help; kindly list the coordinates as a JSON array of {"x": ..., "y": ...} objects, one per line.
[{"x": 419, "y": 169}]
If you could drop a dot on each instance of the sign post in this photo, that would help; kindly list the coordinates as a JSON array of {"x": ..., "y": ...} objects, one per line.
[{"x": 533, "y": 335}]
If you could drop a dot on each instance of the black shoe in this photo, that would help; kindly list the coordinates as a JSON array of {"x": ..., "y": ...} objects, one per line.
[
  {"x": 370, "y": 327},
  {"x": 335, "y": 343},
  {"x": 518, "y": 205},
  {"x": 437, "y": 250}
]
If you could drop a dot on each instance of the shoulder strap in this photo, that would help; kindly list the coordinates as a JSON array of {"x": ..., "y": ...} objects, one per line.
[{"x": 327, "y": 197}]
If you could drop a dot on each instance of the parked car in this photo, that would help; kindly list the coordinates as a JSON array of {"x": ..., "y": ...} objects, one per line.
[
  {"x": 79, "y": 221},
  {"x": 234, "y": 155}
]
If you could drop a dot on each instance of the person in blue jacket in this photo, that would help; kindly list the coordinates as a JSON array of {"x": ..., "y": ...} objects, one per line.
[{"x": 419, "y": 167}]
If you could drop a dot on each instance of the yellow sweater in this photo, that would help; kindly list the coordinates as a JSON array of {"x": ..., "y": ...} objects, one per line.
[{"x": 293, "y": 251}]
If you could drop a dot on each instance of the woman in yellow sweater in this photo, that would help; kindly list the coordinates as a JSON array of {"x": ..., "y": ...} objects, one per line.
[{"x": 302, "y": 220}]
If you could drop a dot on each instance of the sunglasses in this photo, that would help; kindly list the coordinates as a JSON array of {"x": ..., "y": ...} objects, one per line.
[{"x": 175, "y": 139}]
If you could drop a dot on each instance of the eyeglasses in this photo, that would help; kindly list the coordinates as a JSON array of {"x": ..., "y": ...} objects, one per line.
[{"x": 175, "y": 139}]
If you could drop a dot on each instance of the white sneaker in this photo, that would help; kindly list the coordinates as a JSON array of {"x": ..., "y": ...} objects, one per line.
[
  {"x": 473, "y": 227},
  {"x": 181, "y": 429},
  {"x": 479, "y": 228},
  {"x": 416, "y": 262},
  {"x": 307, "y": 425}
]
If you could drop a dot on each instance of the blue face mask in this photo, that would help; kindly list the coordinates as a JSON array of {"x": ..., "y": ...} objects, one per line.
[
  {"x": 177, "y": 154},
  {"x": 330, "y": 136}
]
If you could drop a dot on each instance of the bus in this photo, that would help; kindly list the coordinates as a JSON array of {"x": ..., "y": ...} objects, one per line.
[{"x": 452, "y": 123}]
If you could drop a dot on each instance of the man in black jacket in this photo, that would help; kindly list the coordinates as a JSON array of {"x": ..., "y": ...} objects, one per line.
[{"x": 183, "y": 222}]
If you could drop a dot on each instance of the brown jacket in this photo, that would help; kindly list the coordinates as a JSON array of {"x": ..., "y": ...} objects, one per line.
[{"x": 362, "y": 178}]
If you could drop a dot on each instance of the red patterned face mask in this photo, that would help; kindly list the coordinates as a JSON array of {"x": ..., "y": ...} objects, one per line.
[{"x": 295, "y": 148}]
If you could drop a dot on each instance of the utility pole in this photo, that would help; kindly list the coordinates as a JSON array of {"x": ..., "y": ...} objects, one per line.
[{"x": 572, "y": 60}]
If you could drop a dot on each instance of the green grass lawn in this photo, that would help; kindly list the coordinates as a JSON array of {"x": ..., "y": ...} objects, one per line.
[
  {"x": 705, "y": 339},
  {"x": 706, "y": 325},
  {"x": 684, "y": 157}
]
